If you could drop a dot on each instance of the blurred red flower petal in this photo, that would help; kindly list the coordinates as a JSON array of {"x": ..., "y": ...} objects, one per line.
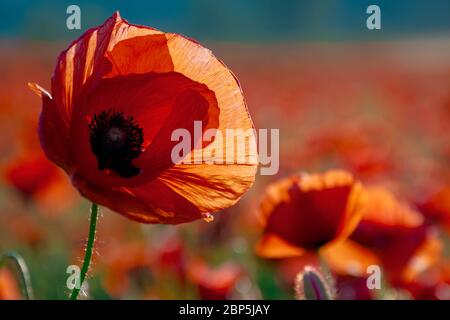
[{"x": 214, "y": 283}]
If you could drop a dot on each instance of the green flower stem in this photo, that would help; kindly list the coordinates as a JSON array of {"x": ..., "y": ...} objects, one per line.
[
  {"x": 19, "y": 262},
  {"x": 88, "y": 254}
]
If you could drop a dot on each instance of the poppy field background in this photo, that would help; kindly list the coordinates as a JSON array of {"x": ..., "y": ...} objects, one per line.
[{"x": 373, "y": 103}]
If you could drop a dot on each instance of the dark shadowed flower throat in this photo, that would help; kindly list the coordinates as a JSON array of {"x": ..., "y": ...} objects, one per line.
[{"x": 116, "y": 140}]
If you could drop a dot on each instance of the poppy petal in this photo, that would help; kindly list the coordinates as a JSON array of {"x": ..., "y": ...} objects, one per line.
[
  {"x": 271, "y": 246},
  {"x": 349, "y": 258},
  {"x": 54, "y": 145},
  {"x": 210, "y": 187},
  {"x": 428, "y": 254},
  {"x": 150, "y": 203},
  {"x": 83, "y": 63}
]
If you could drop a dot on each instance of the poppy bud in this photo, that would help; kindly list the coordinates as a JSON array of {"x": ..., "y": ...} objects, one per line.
[{"x": 312, "y": 284}]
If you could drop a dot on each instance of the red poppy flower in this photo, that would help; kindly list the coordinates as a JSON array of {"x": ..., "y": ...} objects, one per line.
[
  {"x": 391, "y": 235},
  {"x": 118, "y": 93},
  {"x": 308, "y": 211},
  {"x": 396, "y": 233}
]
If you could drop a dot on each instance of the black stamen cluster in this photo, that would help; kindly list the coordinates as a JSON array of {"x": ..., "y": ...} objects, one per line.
[{"x": 116, "y": 140}]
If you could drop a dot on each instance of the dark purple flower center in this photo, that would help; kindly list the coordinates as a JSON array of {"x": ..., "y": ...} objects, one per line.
[{"x": 116, "y": 140}]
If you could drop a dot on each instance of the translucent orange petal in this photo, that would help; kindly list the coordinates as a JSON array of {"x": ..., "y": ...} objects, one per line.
[
  {"x": 272, "y": 246},
  {"x": 382, "y": 207},
  {"x": 210, "y": 187},
  {"x": 349, "y": 258},
  {"x": 428, "y": 254},
  {"x": 84, "y": 60},
  {"x": 214, "y": 186}
]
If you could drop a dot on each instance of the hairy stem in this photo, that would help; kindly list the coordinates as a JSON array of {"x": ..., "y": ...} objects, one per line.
[{"x": 88, "y": 254}]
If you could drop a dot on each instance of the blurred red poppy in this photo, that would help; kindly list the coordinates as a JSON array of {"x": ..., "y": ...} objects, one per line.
[
  {"x": 436, "y": 207},
  {"x": 171, "y": 258},
  {"x": 37, "y": 179},
  {"x": 361, "y": 148},
  {"x": 127, "y": 264},
  {"x": 214, "y": 284},
  {"x": 306, "y": 212},
  {"x": 431, "y": 285},
  {"x": 26, "y": 229},
  {"x": 345, "y": 259},
  {"x": 9, "y": 289},
  {"x": 118, "y": 93},
  {"x": 353, "y": 288},
  {"x": 31, "y": 175},
  {"x": 396, "y": 233}
]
